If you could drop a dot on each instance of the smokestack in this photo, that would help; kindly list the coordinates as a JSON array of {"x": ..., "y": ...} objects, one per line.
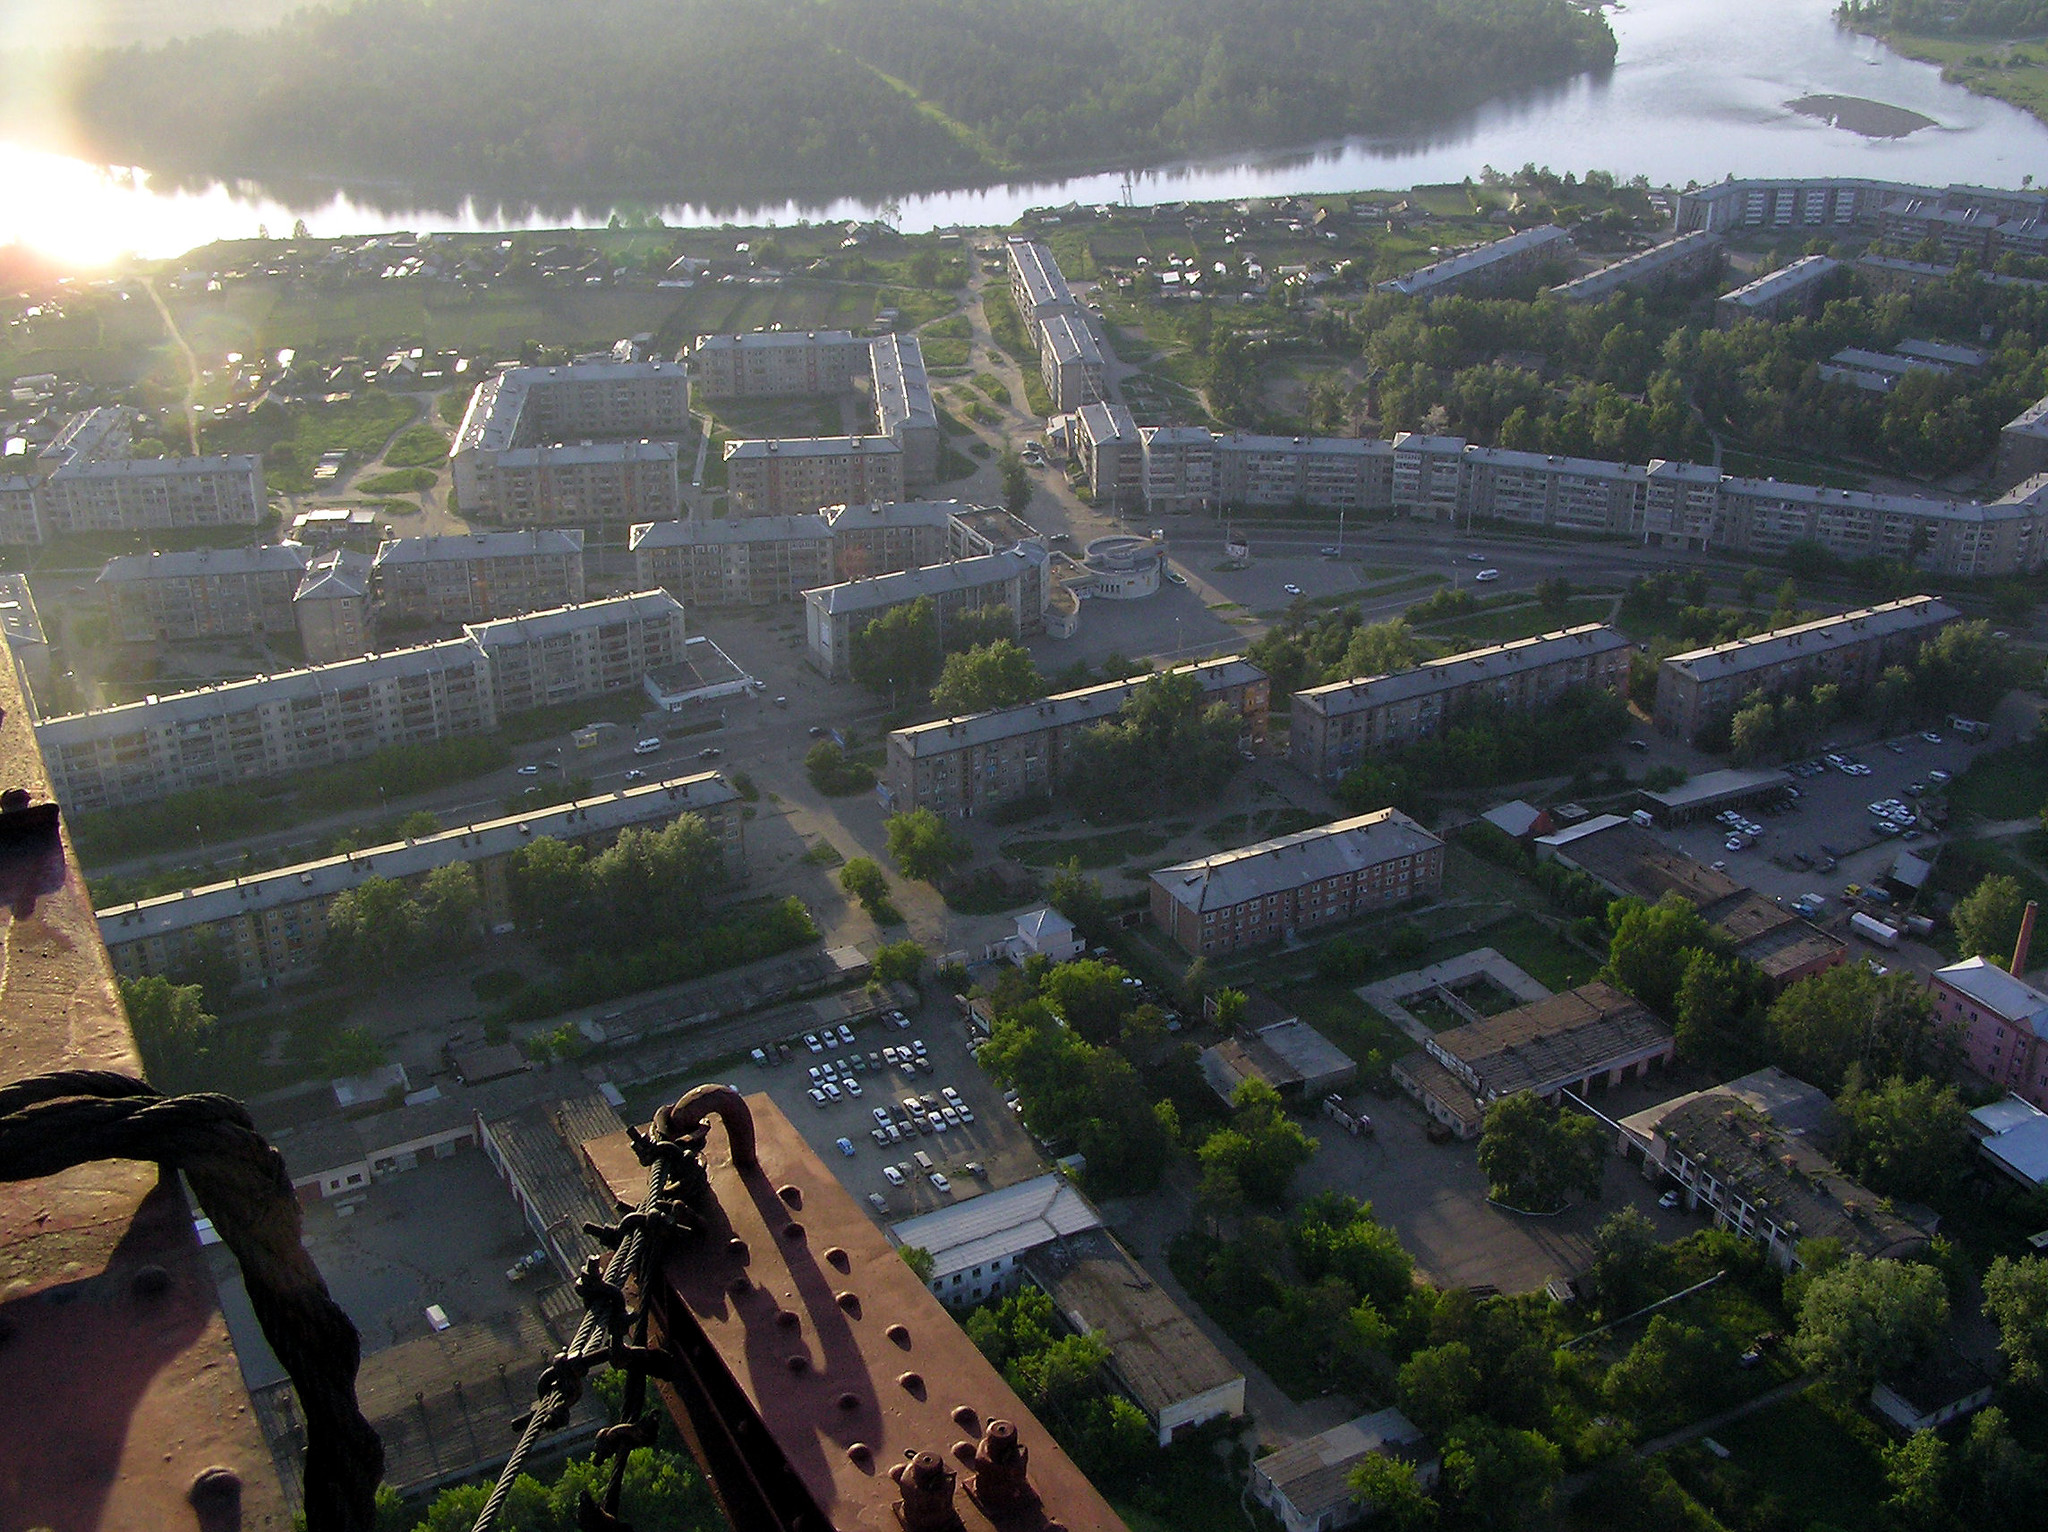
[{"x": 2019, "y": 951}]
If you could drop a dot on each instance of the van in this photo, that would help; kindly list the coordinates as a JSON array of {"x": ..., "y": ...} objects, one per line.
[
  {"x": 647, "y": 746},
  {"x": 924, "y": 1161}
]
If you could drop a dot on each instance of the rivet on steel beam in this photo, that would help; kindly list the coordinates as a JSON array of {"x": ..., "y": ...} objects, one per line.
[
  {"x": 838, "y": 1259},
  {"x": 913, "y": 1383},
  {"x": 859, "y": 1452},
  {"x": 899, "y": 1335},
  {"x": 849, "y": 1302},
  {"x": 848, "y": 1401},
  {"x": 737, "y": 1249},
  {"x": 798, "y": 1364},
  {"x": 793, "y": 1195},
  {"x": 789, "y": 1319},
  {"x": 792, "y": 1230},
  {"x": 967, "y": 1419},
  {"x": 149, "y": 1282}
]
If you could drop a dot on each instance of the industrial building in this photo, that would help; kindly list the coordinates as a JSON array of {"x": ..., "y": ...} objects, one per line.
[
  {"x": 978, "y": 1245},
  {"x": 1703, "y": 686},
  {"x": 1337, "y": 725},
  {"x": 961, "y": 767},
  {"x": 1261, "y": 893},
  {"x": 1591, "y": 1036}
]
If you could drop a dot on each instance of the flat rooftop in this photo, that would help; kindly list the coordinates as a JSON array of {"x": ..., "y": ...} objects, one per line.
[
  {"x": 1587, "y": 641},
  {"x": 1089, "y": 704},
  {"x": 1006, "y": 1223},
  {"x": 1560, "y": 1039},
  {"x": 1867, "y": 624},
  {"x": 1289, "y": 861}
]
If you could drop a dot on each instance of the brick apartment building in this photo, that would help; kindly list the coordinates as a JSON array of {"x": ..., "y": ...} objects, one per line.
[
  {"x": 202, "y": 593},
  {"x": 748, "y": 561},
  {"x": 480, "y": 576},
  {"x": 794, "y": 476}
]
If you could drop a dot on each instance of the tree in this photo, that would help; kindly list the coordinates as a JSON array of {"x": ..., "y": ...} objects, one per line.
[
  {"x": 1987, "y": 920},
  {"x": 1821, "y": 1026},
  {"x": 1904, "y": 1139},
  {"x": 1439, "y": 1386},
  {"x": 1916, "y": 1471},
  {"x": 1335, "y": 1235},
  {"x": 863, "y": 878},
  {"x": 1503, "y": 1478},
  {"x": 898, "y": 651},
  {"x": 2016, "y": 1296},
  {"x": 204, "y": 960},
  {"x": 833, "y": 774},
  {"x": 1380, "y": 649},
  {"x": 1230, "y": 1004},
  {"x": 987, "y": 676},
  {"x": 1716, "y": 1007},
  {"x": 1017, "y": 484},
  {"x": 373, "y": 930},
  {"x": 1253, "y": 1160},
  {"x": 1166, "y": 744},
  {"x": 1554, "y": 595},
  {"x": 449, "y": 902},
  {"x": 1675, "y": 1373},
  {"x": 1865, "y": 1318},
  {"x": 2002, "y": 1482},
  {"x": 924, "y": 845},
  {"x": 1391, "y": 1494},
  {"x": 1651, "y": 946},
  {"x": 1625, "y": 1256},
  {"x": 1089, "y": 996},
  {"x": 549, "y": 883},
  {"x": 172, "y": 1028},
  {"x": 899, "y": 962},
  {"x": 419, "y": 824},
  {"x": 1533, "y": 1154}
]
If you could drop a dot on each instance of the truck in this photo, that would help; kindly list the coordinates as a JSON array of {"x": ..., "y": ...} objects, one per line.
[{"x": 1875, "y": 931}]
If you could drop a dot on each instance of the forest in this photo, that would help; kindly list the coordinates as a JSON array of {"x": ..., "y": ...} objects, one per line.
[{"x": 687, "y": 98}]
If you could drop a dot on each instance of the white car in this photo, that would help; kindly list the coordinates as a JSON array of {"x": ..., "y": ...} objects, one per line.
[
  {"x": 1475, "y": 558},
  {"x": 939, "y": 1181},
  {"x": 811, "y": 1042},
  {"x": 966, "y": 1112},
  {"x": 1485, "y": 575},
  {"x": 892, "y": 1175},
  {"x": 917, "y": 1046},
  {"x": 833, "y": 1092},
  {"x": 846, "y": 1034},
  {"x": 1291, "y": 589},
  {"x": 817, "y": 1096},
  {"x": 950, "y": 1094},
  {"x": 529, "y": 771},
  {"x": 1937, "y": 775},
  {"x": 881, "y": 1116},
  {"x": 1931, "y": 737},
  {"x": 852, "y": 1087},
  {"x": 938, "y": 1123}
]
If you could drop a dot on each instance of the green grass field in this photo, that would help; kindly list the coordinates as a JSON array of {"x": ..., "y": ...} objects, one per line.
[
  {"x": 2010, "y": 71},
  {"x": 1105, "y": 850},
  {"x": 1500, "y": 627},
  {"x": 2011, "y": 783}
]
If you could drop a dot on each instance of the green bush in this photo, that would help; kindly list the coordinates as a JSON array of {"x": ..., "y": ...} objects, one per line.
[{"x": 418, "y": 446}]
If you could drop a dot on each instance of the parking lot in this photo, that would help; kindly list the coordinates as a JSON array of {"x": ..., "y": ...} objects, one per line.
[
  {"x": 1831, "y": 817},
  {"x": 994, "y": 1140}
]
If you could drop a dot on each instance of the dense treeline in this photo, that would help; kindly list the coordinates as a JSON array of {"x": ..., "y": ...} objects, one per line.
[
  {"x": 1943, "y": 18},
  {"x": 701, "y": 99}
]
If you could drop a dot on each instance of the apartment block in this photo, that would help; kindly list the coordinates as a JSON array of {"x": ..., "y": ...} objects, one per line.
[
  {"x": 2023, "y": 444},
  {"x": 21, "y": 523},
  {"x": 273, "y": 924},
  {"x": 1790, "y": 289},
  {"x": 1323, "y": 472},
  {"x": 1429, "y": 476},
  {"x": 332, "y": 606},
  {"x": 1546, "y": 490},
  {"x": 1070, "y": 361},
  {"x": 273, "y": 726},
  {"x": 1180, "y": 469},
  {"x": 480, "y": 576},
  {"x": 836, "y": 613},
  {"x": 1675, "y": 260},
  {"x": 1262, "y": 893},
  {"x": 795, "y": 476},
  {"x": 1338, "y": 725},
  {"x": 2003, "y": 1022},
  {"x": 1111, "y": 450},
  {"x": 1037, "y": 285},
  {"x": 903, "y": 406},
  {"x": 530, "y": 450},
  {"x": 1704, "y": 685},
  {"x": 963, "y": 766},
  {"x": 753, "y": 561},
  {"x": 1485, "y": 269},
  {"x": 201, "y": 594},
  {"x": 573, "y": 652},
  {"x": 768, "y": 364},
  {"x": 887, "y": 537},
  {"x": 28, "y": 646},
  {"x": 151, "y": 495},
  {"x": 1832, "y": 202}
]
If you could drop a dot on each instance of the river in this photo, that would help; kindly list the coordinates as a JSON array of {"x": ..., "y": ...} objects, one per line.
[{"x": 1699, "y": 92}]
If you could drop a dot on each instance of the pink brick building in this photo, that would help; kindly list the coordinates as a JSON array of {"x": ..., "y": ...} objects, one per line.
[{"x": 2003, "y": 1022}]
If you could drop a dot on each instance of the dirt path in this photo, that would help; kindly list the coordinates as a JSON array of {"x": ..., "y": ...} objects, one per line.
[{"x": 191, "y": 361}]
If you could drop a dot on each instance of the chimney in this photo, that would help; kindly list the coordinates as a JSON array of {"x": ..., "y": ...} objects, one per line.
[{"x": 2019, "y": 951}]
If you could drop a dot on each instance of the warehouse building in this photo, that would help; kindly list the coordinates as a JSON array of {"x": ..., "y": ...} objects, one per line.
[{"x": 1586, "y": 1037}]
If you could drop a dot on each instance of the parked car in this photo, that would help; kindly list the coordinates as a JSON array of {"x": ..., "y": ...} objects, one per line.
[
  {"x": 1668, "y": 1200},
  {"x": 892, "y": 1175},
  {"x": 1485, "y": 575},
  {"x": 811, "y": 1042},
  {"x": 846, "y": 1147},
  {"x": 939, "y": 1181}
]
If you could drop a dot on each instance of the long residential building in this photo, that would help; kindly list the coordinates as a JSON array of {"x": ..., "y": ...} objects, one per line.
[
  {"x": 1701, "y": 686},
  {"x": 1037, "y": 285},
  {"x": 2023, "y": 444},
  {"x": 1112, "y": 453},
  {"x": 747, "y": 561},
  {"x": 203, "y": 593},
  {"x": 887, "y": 537},
  {"x": 479, "y": 576},
  {"x": 1323, "y": 472},
  {"x": 85, "y": 481},
  {"x": 903, "y": 406},
  {"x": 529, "y": 451},
  {"x": 272, "y": 924},
  {"x": 277, "y": 725},
  {"x": 768, "y": 364},
  {"x": 1070, "y": 361},
  {"x": 1772, "y": 295},
  {"x": 960, "y": 767},
  {"x": 795, "y": 476},
  {"x": 1337, "y": 725},
  {"x": 1675, "y": 260},
  {"x": 1262, "y": 893},
  {"x": 1014, "y": 580},
  {"x": 1482, "y": 270}
]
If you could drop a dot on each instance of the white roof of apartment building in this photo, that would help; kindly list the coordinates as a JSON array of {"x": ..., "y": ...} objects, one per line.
[
  {"x": 480, "y": 545},
  {"x": 755, "y": 340},
  {"x": 1780, "y": 644},
  {"x": 340, "y": 575},
  {"x": 1467, "y": 261},
  {"x": 1043, "y": 280},
  {"x": 158, "y": 467},
  {"x": 1279, "y": 865},
  {"x": 1305, "y": 446},
  {"x": 1178, "y": 436},
  {"x": 696, "y": 533},
  {"x": 2013, "y": 1000},
  {"x": 1774, "y": 285},
  {"x": 2031, "y": 421},
  {"x": 1088, "y": 704},
  {"x": 1474, "y": 665},
  {"x": 1631, "y": 268},
  {"x": 492, "y": 420},
  {"x": 573, "y": 618},
  {"x": 1067, "y": 338},
  {"x": 999, "y": 1225},
  {"x": 1554, "y": 463},
  {"x": 810, "y": 446},
  {"x": 20, "y": 624},
  {"x": 1107, "y": 423},
  {"x": 578, "y": 454},
  {"x": 909, "y": 584},
  {"x": 877, "y": 515},
  {"x": 279, "y": 558},
  {"x": 410, "y": 858},
  {"x": 903, "y": 394}
]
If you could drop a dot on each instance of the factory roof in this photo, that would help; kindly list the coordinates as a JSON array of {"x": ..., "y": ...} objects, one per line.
[
  {"x": 1276, "y": 866},
  {"x": 1553, "y": 1041},
  {"x": 1088, "y": 705},
  {"x": 1908, "y": 615},
  {"x": 644, "y": 803},
  {"x": 1000, "y": 1224},
  {"x": 1469, "y": 668}
]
